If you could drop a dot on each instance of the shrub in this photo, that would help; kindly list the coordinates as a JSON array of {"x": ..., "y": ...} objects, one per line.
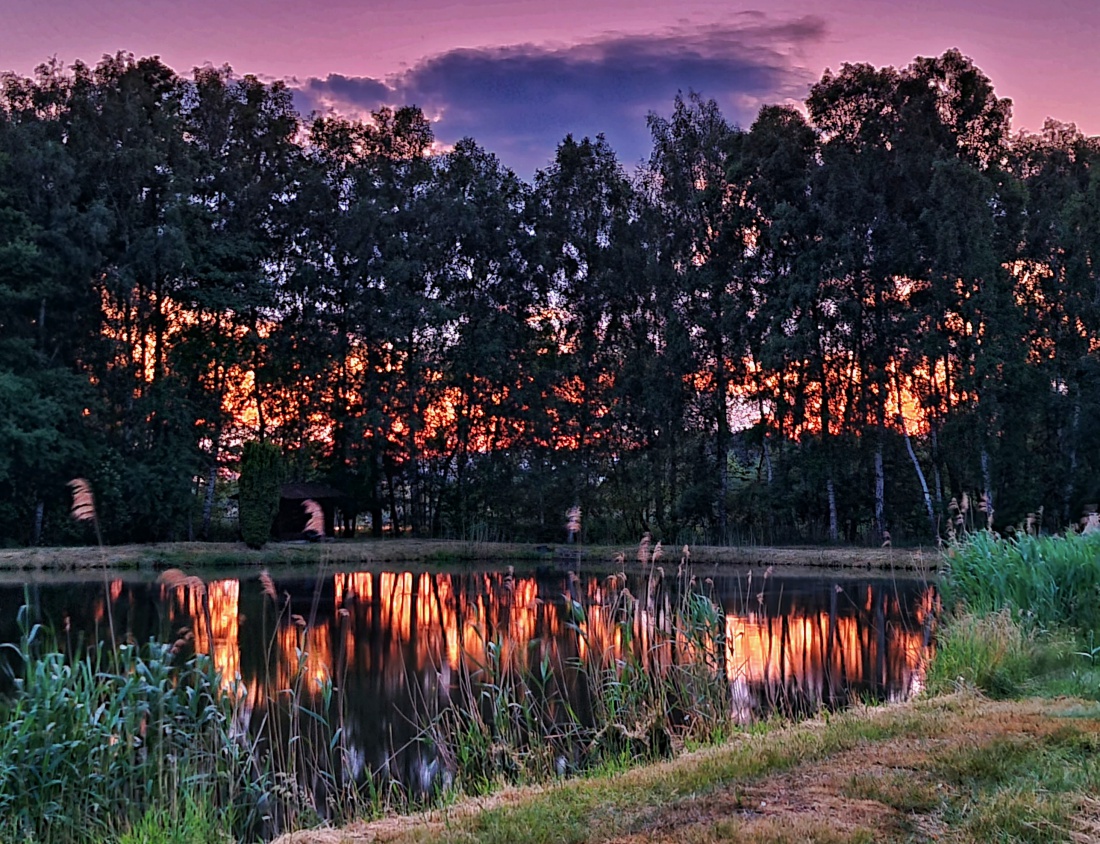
[{"x": 261, "y": 475}]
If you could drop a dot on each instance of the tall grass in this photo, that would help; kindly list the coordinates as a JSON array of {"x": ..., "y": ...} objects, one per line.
[
  {"x": 648, "y": 675},
  {"x": 87, "y": 745},
  {"x": 1047, "y": 583},
  {"x": 991, "y": 652},
  {"x": 116, "y": 743},
  {"x": 102, "y": 745},
  {"x": 1018, "y": 612},
  {"x": 305, "y": 748}
]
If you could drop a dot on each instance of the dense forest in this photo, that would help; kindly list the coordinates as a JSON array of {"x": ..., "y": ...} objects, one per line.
[{"x": 845, "y": 323}]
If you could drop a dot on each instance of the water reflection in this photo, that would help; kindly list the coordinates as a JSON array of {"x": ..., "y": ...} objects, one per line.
[{"x": 390, "y": 643}]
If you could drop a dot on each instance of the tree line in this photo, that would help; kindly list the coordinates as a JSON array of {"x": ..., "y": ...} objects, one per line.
[{"x": 864, "y": 320}]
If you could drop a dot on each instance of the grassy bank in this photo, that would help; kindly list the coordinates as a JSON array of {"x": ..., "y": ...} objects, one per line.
[
  {"x": 957, "y": 768},
  {"x": 1003, "y": 748},
  {"x": 434, "y": 552}
]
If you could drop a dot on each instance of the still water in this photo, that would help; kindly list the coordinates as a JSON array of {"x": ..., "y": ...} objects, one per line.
[{"x": 391, "y": 642}]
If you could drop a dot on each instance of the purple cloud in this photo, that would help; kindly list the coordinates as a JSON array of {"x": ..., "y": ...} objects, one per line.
[{"x": 520, "y": 101}]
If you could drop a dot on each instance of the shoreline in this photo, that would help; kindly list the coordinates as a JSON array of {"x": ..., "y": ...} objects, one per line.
[{"x": 431, "y": 552}]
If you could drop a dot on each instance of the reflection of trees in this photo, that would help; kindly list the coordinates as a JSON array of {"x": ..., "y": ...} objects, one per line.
[{"x": 389, "y": 641}]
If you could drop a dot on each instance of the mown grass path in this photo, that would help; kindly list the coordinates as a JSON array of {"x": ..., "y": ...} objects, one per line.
[{"x": 958, "y": 768}]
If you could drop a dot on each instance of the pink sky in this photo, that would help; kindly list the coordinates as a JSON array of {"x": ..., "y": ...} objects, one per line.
[{"x": 1042, "y": 55}]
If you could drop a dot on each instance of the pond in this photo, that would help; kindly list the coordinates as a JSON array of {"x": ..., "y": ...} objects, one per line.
[{"x": 378, "y": 651}]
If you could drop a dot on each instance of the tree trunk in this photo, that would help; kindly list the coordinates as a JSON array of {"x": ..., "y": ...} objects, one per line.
[
  {"x": 723, "y": 442},
  {"x": 39, "y": 508},
  {"x": 831, "y": 487},
  {"x": 936, "y": 478},
  {"x": 988, "y": 489},
  {"x": 916, "y": 463},
  {"x": 395, "y": 525},
  {"x": 1067, "y": 515},
  {"x": 880, "y": 493},
  {"x": 921, "y": 478},
  {"x": 768, "y": 473},
  {"x": 881, "y": 391},
  {"x": 208, "y": 498}
]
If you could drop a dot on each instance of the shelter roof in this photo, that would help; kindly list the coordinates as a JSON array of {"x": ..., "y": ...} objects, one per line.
[{"x": 301, "y": 490}]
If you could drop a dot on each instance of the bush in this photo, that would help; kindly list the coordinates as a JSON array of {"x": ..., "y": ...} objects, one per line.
[{"x": 261, "y": 475}]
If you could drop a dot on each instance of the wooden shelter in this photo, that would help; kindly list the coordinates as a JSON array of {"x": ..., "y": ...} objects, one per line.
[{"x": 291, "y": 521}]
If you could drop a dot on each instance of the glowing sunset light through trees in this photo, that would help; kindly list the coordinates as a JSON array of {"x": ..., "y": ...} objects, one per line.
[{"x": 825, "y": 326}]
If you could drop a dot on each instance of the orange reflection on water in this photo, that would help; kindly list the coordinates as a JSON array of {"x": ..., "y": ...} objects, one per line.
[
  {"x": 404, "y": 627},
  {"x": 816, "y": 652},
  {"x": 220, "y": 636},
  {"x": 306, "y": 657}
]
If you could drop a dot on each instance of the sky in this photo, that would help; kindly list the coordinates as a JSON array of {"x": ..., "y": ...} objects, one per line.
[{"x": 519, "y": 76}]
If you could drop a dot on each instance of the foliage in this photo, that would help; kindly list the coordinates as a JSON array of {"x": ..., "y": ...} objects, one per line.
[
  {"x": 90, "y": 745},
  {"x": 261, "y": 476},
  {"x": 823, "y": 327}
]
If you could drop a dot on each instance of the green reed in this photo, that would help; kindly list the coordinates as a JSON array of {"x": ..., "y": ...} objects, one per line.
[
  {"x": 1047, "y": 582},
  {"x": 145, "y": 744},
  {"x": 88, "y": 745},
  {"x": 649, "y": 679}
]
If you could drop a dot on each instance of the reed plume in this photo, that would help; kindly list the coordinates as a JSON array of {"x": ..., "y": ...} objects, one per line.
[
  {"x": 197, "y": 586},
  {"x": 316, "y": 524},
  {"x": 268, "y": 586},
  {"x": 573, "y": 522},
  {"x": 83, "y": 509},
  {"x": 1092, "y": 523},
  {"x": 172, "y": 578}
]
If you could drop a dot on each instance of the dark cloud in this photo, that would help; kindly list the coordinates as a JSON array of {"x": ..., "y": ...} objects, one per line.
[{"x": 520, "y": 101}]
